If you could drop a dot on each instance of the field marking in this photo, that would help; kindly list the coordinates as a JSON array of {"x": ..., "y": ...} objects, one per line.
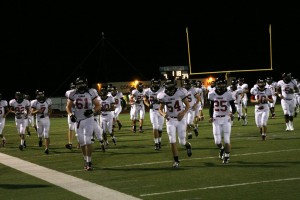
[
  {"x": 76, "y": 185},
  {"x": 221, "y": 186},
  {"x": 203, "y": 158}
]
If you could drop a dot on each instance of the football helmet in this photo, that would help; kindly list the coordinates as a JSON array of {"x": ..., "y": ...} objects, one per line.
[
  {"x": 286, "y": 77},
  {"x": 110, "y": 87},
  {"x": 233, "y": 86},
  {"x": 40, "y": 95},
  {"x": 72, "y": 86},
  {"x": 213, "y": 84},
  {"x": 187, "y": 84},
  {"x": 114, "y": 91},
  {"x": 221, "y": 85},
  {"x": 261, "y": 84},
  {"x": 26, "y": 96},
  {"x": 241, "y": 81},
  {"x": 103, "y": 92},
  {"x": 19, "y": 97},
  {"x": 81, "y": 84},
  {"x": 131, "y": 89},
  {"x": 140, "y": 87},
  {"x": 155, "y": 84},
  {"x": 170, "y": 87},
  {"x": 269, "y": 80}
]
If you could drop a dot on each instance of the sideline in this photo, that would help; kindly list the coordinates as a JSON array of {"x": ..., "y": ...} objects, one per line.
[{"x": 76, "y": 185}]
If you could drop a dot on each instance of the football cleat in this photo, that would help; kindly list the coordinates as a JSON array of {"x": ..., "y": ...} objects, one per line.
[
  {"x": 263, "y": 137},
  {"x": 3, "y": 142},
  {"x": 189, "y": 149},
  {"x": 40, "y": 143},
  {"x": 190, "y": 136},
  {"x": 69, "y": 146},
  {"x": 196, "y": 132},
  {"x": 46, "y": 151},
  {"x": 21, "y": 147},
  {"x": 226, "y": 160},
  {"x": 88, "y": 166},
  {"x": 175, "y": 164},
  {"x": 156, "y": 146},
  {"x": 221, "y": 154}
]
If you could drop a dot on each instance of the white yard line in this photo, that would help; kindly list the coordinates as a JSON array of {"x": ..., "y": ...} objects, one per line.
[
  {"x": 221, "y": 186},
  {"x": 76, "y": 185}
]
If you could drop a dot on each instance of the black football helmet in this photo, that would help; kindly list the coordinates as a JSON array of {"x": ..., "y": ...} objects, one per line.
[
  {"x": 19, "y": 97},
  {"x": 187, "y": 84},
  {"x": 213, "y": 84},
  {"x": 27, "y": 96},
  {"x": 261, "y": 84},
  {"x": 233, "y": 86},
  {"x": 40, "y": 95},
  {"x": 114, "y": 91},
  {"x": 140, "y": 87},
  {"x": 170, "y": 87},
  {"x": 155, "y": 84},
  {"x": 221, "y": 86},
  {"x": 241, "y": 81},
  {"x": 269, "y": 80},
  {"x": 110, "y": 87},
  {"x": 286, "y": 77},
  {"x": 72, "y": 85},
  {"x": 131, "y": 89},
  {"x": 103, "y": 92},
  {"x": 81, "y": 84}
]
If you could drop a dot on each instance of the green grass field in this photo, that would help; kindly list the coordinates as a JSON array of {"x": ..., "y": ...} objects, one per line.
[{"x": 257, "y": 170}]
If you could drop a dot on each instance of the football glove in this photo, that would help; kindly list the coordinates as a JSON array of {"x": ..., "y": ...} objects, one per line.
[
  {"x": 73, "y": 118},
  {"x": 88, "y": 113}
]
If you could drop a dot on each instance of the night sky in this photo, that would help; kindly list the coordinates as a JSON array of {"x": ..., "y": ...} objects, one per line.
[{"x": 46, "y": 45}]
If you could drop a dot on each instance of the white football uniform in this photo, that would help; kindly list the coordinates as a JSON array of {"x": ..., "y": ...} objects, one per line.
[
  {"x": 156, "y": 118},
  {"x": 42, "y": 117},
  {"x": 139, "y": 110},
  {"x": 3, "y": 106},
  {"x": 288, "y": 102},
  {"x": 221, "y": 118},
  {"x": 21, "y": 110},
  {"x": 84, "y": 125},
  {"x": 262, "y": 109},
  {"x": 173, "y": 106}
]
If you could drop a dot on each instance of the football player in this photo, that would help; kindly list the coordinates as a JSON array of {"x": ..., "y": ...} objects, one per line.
[
  {"x": 81, "y": 105},
  {"x": 41, "y": 108},
  {"x": 286, "y": 88},
  {"x": 20, "y": 107},
  {"x": 174, "y": 106},
  {"x": 262, "y": 96},
  {"x": 220, "y": 115},
  {"x": 157, "y": 120}
]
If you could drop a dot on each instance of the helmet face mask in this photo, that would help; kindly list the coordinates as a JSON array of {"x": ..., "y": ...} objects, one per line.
[
  {"x": 103, "y": 93},
  {"x": 269, "y": 80},
  {"x": 155, "y": 85},
  {"x": 187, "y": 84},
  {"x": 81, "y": 84},
  {"x": 114, "y": 91},
  {"x": 19, "y": 97},
  {"x": 170, "y": 87},
  {"x": 261, "y": 84},
  {"x": 72, "y": 86},
  {"x": 140, "y": 87},
  {"x": 286, "y": 77},
  {"x": 221, "y": 85},
  {"x": 40, "y": 96}
]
